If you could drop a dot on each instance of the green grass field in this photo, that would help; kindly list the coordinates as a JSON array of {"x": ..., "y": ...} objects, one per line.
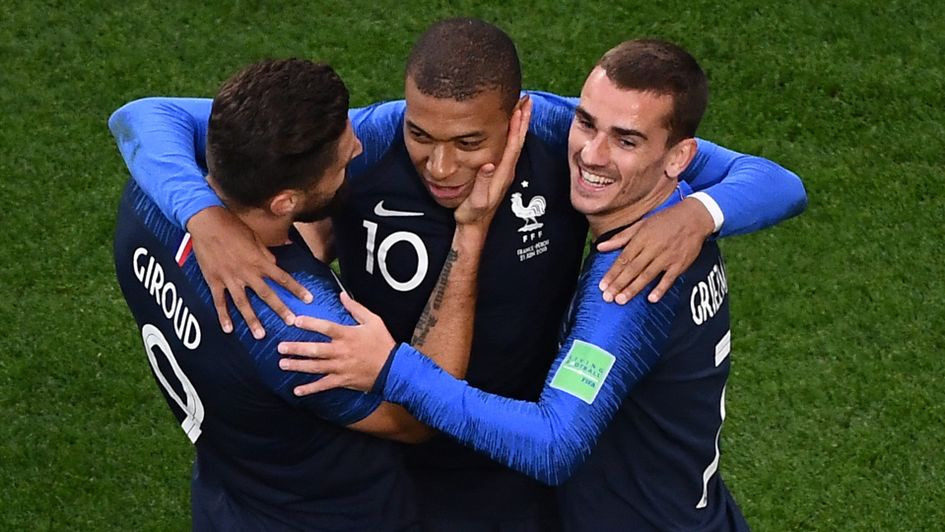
[{"x": 835, "y": 405}]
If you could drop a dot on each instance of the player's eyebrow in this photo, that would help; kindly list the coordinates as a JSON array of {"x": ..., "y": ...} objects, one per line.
[
  {"x": 614, "y": 130},
  {"x": 465, "y": 136},
  {"x": 584, "y": 115},
  {"x": 621, "y": 132}
]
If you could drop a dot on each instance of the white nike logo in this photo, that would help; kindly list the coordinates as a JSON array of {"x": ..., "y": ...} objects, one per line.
[{"x": 381, "y": 211}]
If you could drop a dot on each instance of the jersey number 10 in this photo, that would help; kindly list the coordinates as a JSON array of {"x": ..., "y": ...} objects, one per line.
[{"x": 413, "y": 239}]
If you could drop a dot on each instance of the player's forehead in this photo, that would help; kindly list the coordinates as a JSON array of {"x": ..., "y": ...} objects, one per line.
[
  {"x": 613, "y": 108},
  {"x": 446, "y": 118}
]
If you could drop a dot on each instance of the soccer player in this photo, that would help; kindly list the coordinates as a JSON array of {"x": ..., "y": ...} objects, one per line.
[
  {"x": 629, "y": 419},
  {"x": 278, "y": 145},
  {"x": 393, "y": 239}
]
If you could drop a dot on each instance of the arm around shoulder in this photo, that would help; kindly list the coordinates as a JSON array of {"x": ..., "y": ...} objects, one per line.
[
  {"x": 163, "y": 141},
  {"x": 750, "y": 192}
]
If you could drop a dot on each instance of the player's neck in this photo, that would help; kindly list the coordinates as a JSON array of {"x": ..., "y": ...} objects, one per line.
[
  {"x": 630, "y": 213},
  {"x": 271, "y": 230}
]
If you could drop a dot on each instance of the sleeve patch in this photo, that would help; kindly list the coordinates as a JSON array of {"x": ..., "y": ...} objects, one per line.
[{"x": 583, "y": 371}]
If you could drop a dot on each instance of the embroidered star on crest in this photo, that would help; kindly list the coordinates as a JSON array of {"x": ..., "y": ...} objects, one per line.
[{"x": 524, "y": 184}]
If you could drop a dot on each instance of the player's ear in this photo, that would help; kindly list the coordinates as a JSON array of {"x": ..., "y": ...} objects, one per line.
[
  {"x": 680, "y": 156},
  {"x": 285, "y": 203}
]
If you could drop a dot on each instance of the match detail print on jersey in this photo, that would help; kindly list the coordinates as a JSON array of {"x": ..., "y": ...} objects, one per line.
[
  {"x": 583, "y": 371},
  {"x": 380, "y": 210}
]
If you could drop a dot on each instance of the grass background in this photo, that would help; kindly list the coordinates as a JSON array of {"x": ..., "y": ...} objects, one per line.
[{"x": 835, "y": 405}]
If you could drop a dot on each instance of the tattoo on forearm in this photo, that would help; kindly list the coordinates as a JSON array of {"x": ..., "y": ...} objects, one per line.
[{"x": 429, "y": 317}]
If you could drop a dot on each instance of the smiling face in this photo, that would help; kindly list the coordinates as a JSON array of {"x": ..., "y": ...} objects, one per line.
[
  {"x": 449, "y": 140},
  {"x": 620, "y": 164}
]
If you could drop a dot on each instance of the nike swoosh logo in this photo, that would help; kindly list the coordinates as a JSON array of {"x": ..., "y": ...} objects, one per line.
[{"x": 381, "y": 211}]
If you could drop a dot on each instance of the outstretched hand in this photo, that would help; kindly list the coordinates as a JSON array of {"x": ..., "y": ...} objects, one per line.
[
  {"x": 666, "y": 243},
  {"x": 232, "y": 259},
  {"x": 352, "y": 359},
  {"x": 493, "y": 180}
]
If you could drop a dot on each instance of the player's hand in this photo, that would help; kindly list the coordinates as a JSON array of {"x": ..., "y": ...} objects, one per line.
[
  {"x": 493, "y": 180},
  {"x": 667, "y": 242},
  {"x": 352, "y": 359},
  {"x": 232, "y": 259}
]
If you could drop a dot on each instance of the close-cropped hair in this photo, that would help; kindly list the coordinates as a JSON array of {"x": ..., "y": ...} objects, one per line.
[
  {"x": 662, "y": 68},
  {"x": 275, "y": 125},
  {"x": 460, "y": 58}
]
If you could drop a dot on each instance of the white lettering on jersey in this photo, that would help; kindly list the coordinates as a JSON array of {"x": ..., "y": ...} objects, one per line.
[
  {"x": 708, "y": 295},
  {"x": 151, "y": 276}
]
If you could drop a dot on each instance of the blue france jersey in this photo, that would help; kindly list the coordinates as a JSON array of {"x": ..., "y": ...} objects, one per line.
[
  {"x": 629, "y": 419},
  {"x": 266, "y": 459},
  {"x": 392, "y": 241}
]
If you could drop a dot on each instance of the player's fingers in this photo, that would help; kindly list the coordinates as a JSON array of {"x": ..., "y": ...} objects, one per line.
[
  {"x": 518, "y": 128},
  {"x": 328, "y": 382},
  {"x": 309, "y": 365},
  {"x": 312, "y": 350},
  {"x": 526, "y": 118},
  {"x": 620, "y": 265},
  {"x": 328, "y": 328},
  {"x": 627, "y": 273},
  {"x": 283, "y": 279},
  {"x": 359, "y": 312},
  {"x": 518, "y": 125},
  {"x": 619, "y": 240},
  {"x": 246, "y": 310},
  {"x": 639, "y": 283},
  {"x": 479, "y": 196},
  {"x": 218, "y": 294},
  {"x": 269, "y": 297},
  {"x": 669, "y": 277}
]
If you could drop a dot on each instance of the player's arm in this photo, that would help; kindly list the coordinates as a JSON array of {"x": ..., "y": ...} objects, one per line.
[
  {"x": 163, "y": 142},
  {"x": 736, "y": 194},
  {"x": 445, "y": 327},
  {"x": 608, "y": 350}
]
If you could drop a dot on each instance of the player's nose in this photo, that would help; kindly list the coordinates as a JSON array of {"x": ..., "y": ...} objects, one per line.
[
  {"x": 595, "y": 152},
  {"x": 442, "y": 162}
]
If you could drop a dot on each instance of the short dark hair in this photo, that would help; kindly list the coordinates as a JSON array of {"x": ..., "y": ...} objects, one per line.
[
  {"x": 459, "y": 58},
  {"x": 275, "y": 125},
  {"x": 662, "y": 68}
]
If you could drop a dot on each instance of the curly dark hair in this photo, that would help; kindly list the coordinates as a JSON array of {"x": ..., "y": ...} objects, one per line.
[{"x": 275, "y": 125}]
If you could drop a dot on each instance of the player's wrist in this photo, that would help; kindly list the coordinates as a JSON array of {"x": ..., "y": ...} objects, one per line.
[
  {"x": 471, "y": 237},
  {"x": 206, "y": 219},
  {"x": 705, "y": 212},
  {"x": 699, "y": 218},
  {"x": 380, "y": 382}
]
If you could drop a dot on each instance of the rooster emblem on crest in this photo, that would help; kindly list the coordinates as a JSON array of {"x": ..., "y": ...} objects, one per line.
[{"x": 529, "y": 213}]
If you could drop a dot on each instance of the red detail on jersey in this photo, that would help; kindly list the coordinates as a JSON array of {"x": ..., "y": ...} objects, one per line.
[{"x": 183, "y": 251}]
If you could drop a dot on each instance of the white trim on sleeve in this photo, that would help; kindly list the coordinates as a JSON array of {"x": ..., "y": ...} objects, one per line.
[{"x": 712, "y": 207}]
